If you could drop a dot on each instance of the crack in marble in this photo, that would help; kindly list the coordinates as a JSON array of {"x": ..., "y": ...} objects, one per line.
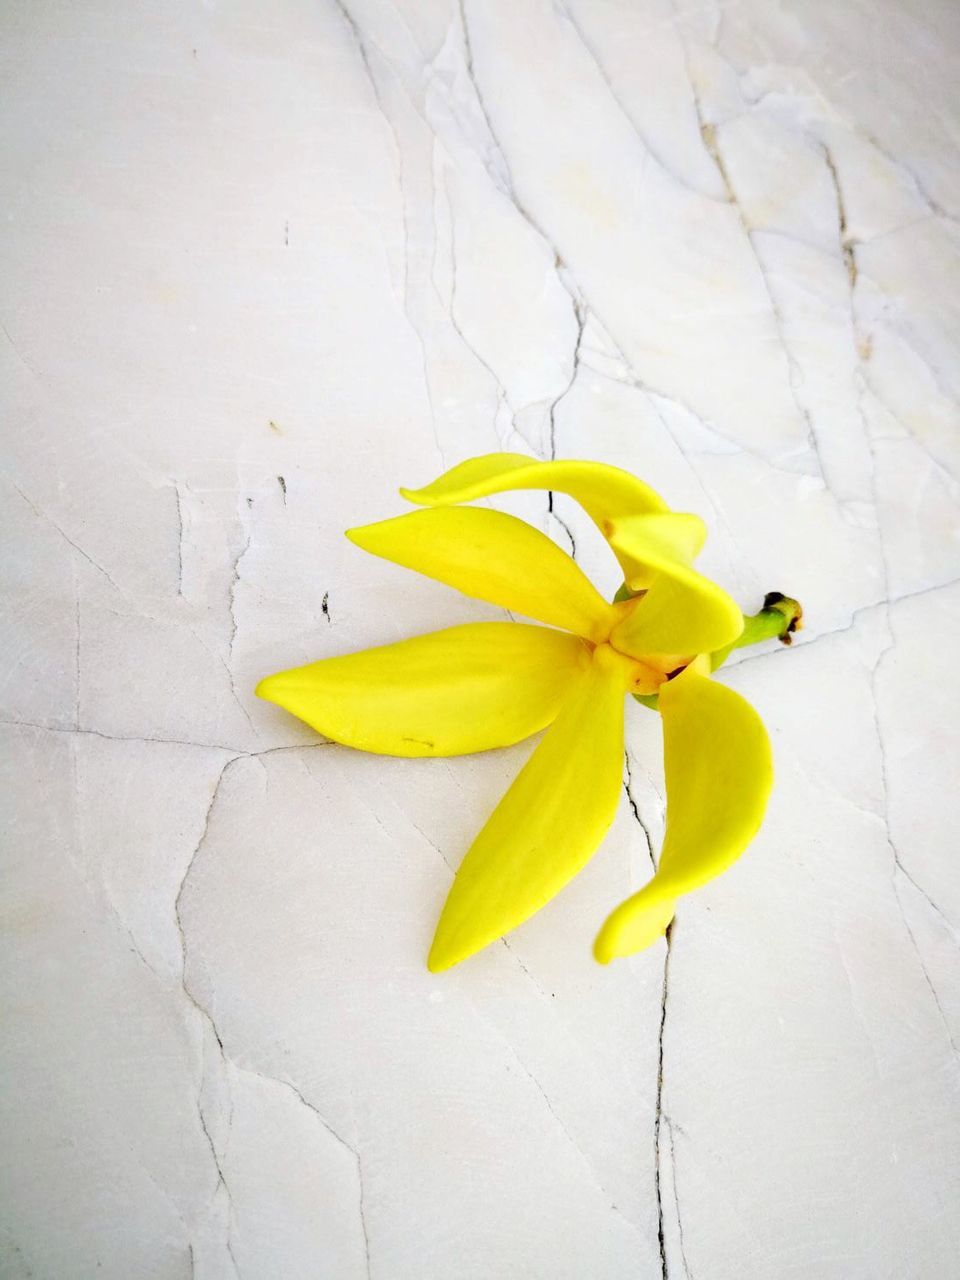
[
  {"x": 421, "y": 340},
  {"x": 99, "y": 890},
  {"x": 630, "y": 377},
  {"x": 19, "y": 354},
  {"x": 43, "y": 515},
  {"x": 338, "y": 1137},
  {"x": 207, "y": 1019},
  {"x": 523, "y": 1067},
  {"x": 864, "y": 342},
  {"x": 359, "y": 39},
  {"x": 881, "y": 743},
  {"x": 502, "y": 179},
  {"x": 847, "y": 243},
  {"x": 123, "y": 737},
  {"x": 895, "y": 852},
  {"x": 99, "y": 894},
  {"x": 517, "y": 957},
  {"x": 658, "y": 1112},
  {"x": 451, "y": 308},
  {"x": 659, "y": 1115},
  {"x": 864, "y": 348},
  {"x": 552, "y": 515},
  {"x": 651, "y": 150},
  {"x": 206, "y": 1016},
  {"x": 180, "y": 535},
  {"x": 800, "y": 642},
  {"x": 433, "y": 845},
  {"x": 676, "y": 1194},
  {"x": 357, "y": 36},
  {"x": 505, "y": 183},
  {"x": 634, "y": 807},
  {"x": 934, "y": 370},
  {"x": 952, "y": 928},
  {"x": 141, "y": 612},
  {"x": 950, "y": 478},
  {"x": 580, "y": 315},
  {"x": 855, "y": 1004},
  {"x": 708, "y": 132},
  {"x": 76, "y": 674},
  {"x": 232, "y": 594},
  {"x": 936, "y": 209},
  {"x": 653, "y": 398},
  {"x": 587, "y": 1162},
  {"x": 572, "y": 287}
]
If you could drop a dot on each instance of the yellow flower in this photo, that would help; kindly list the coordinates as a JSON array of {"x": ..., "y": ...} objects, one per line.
[{"x": 486, "y": 685}]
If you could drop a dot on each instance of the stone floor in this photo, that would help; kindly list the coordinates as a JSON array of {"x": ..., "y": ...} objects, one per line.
[{"x": 262, "y": 264}]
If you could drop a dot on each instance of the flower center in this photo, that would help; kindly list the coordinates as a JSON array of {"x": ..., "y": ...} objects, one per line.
[{"x": 642, "y": 675}]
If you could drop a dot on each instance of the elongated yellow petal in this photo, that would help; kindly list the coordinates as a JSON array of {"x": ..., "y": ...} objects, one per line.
[
  {"x": 682, "y": 611},
  {"x": 547, "y": 826},
  {"x": 604, "y": 492},
  {"x": 470, "y": 688},
  {"x": 719, "y": 772},
  {"x": 493, "y": 557}
]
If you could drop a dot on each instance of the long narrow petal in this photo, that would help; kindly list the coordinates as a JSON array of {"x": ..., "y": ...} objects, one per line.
[
  {"x": 547, "y": 826},
  {"x": 494, "y": 557},
  {"x": 470, "y": 688},
  {"x": 719, "y": 772},
  {"x": 604, "y": 492},
  {"x": 682, "y": 611}
]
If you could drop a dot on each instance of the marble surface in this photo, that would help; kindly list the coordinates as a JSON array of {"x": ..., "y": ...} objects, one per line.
[{"x": 262, "y": 264}]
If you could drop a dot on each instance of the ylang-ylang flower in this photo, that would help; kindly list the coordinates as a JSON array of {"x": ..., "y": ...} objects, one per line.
[{"x": 488, "y": 684}]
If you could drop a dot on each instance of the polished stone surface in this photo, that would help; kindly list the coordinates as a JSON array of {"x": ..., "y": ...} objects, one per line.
[{"x": 262, "y": 264}]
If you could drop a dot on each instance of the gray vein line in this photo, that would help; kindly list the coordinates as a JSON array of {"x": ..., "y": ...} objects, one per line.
[{"x": 43, "y": 515}]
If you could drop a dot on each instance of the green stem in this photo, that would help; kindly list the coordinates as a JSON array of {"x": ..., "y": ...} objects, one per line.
[{"x": 779, "y": 618}]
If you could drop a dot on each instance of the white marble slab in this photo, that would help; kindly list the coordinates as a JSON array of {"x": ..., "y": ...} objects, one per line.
[{"x": 262, "y": 264}]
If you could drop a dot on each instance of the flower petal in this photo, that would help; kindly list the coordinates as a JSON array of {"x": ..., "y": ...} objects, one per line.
[
  {"x": 604, "y": 492},
  {"x": 547, "y": 826},
  {"x": 494, "y": 557},
  {"x": 681, "y": 611},
  {"x": 470, "y": 688},
  {"x": 719, "y": 772},
  {"x": 656, "y": 541}
]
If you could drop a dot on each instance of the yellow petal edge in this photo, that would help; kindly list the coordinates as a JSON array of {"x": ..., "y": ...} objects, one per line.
[
  {"x": 464, "y": 689},
  {"x": 719, "y": 772},
  {"x": 603, "y": 491},
  {"x": 548, "y": 824},
  {"x": 495, "y": 557}
]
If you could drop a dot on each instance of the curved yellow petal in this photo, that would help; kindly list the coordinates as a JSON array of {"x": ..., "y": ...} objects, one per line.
[
  {"x": 604, "y": 492},
  {"x": 493, "y": 557},
  {"x": 470, "y": 688},
  {"x": 636, "y": 924},
  {"x": 656, "y": 542},
  {"x": 547, "y": 826},
  {"x": 719, "y": 772},
  {"x": 681, "y": 610}
]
